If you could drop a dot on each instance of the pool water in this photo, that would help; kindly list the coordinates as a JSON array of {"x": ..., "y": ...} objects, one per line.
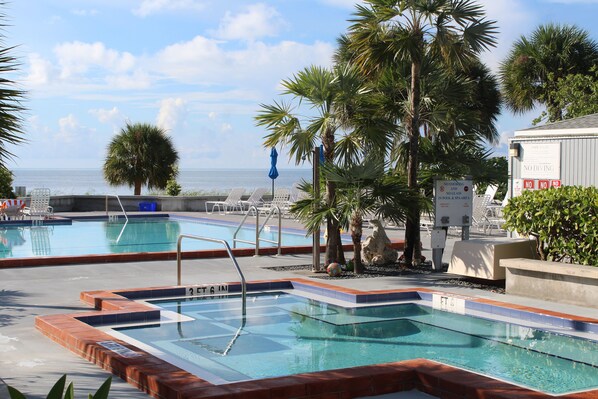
[
  {"x": 284, "y": 334},
  {"x": 86, "y": 237}
]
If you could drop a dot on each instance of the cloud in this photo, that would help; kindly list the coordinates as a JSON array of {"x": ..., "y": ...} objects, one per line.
[
  {"x": 226, "y": 128},
  {"x": 68, "y": 129},
  {"x": 205, "y": 61},
  {"x": 259, "y": 20},
  {"x": 149, "y": 7},
  {"x": 77, "y": 58},
  {"x": 110, "y": 116},
  {"x": 173, "y": 112},
  {"x": 41, "y": 71},
  {"x": 348, "y": 4},
  {"x": 84, "y": 13}
]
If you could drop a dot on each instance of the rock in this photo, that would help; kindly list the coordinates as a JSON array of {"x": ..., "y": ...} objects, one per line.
[{"x": 376, "y": 249}]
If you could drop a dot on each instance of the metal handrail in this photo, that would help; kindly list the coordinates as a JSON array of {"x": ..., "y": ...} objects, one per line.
[
  {"x": 230, "y": 255},
  {"x": 119, "y": 203},
  {"x": 258, "y": 229}
]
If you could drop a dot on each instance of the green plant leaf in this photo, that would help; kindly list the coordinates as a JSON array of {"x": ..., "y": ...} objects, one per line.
[
  {"x": 14, "y": 393},
  {"x": 57, "y": 389},
  {"x": 102, "y": 392},
  {"x": 70, "y": 392}
]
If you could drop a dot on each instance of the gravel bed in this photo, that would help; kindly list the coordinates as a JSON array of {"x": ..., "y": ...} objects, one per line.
[{"x": 400, "y": 270}]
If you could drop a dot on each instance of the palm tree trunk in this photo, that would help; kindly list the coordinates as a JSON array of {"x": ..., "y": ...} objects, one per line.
[
  {"x": 356, "y": 234},
  {"x": 137, "y": 188},
  {"x": 333, "y": 242},
  {"x": 412, "y": 236}
]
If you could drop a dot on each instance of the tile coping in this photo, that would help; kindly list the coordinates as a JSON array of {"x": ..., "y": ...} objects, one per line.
[{"x": 160, "y": 379}]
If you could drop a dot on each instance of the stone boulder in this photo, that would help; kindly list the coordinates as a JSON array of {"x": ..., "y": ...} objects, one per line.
[{"x": 376, "y": 249}]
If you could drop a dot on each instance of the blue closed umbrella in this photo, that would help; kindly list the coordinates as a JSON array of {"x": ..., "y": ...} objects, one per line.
[{"x": 273, "y": 174}]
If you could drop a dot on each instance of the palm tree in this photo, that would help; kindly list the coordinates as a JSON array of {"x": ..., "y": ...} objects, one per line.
[
  {"x": 534, "y": 66},
  {"x": 333, "y": 102},
  {"x": 11, "y": 122},
  {"x": 385, "y": 32},
  {"x": 142, "y": 154}
]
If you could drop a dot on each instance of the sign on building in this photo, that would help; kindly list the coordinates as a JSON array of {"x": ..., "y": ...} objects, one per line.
[
  {"x": 541, "y": 161},
  {"x": 453, "y": 202}
]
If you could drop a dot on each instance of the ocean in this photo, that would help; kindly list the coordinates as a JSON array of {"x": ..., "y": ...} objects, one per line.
[{"x": 193, "y": 182}]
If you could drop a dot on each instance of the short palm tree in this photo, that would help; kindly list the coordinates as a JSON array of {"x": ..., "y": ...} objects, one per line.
[
  {"x": 386, "y": 32},
  {"x": 327, "y": 102},
  {"x": 534, "y": 66},
  {"x": 142, "y": 154}
]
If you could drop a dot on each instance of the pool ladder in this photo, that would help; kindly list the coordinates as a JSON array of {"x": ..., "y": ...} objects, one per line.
[
  {"x": 258, "y": 229},
  {"x": 230, "y": 255},
  {"x": 114, "y": 218}
]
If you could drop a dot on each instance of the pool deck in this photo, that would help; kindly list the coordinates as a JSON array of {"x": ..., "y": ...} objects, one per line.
[{"x": 32, "y": 362}]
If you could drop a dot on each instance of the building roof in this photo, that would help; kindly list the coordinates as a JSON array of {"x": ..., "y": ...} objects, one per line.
[{"x": 587, "y": 124}]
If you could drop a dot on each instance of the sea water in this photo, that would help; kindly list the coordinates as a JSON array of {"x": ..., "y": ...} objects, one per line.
[{"x": 192, "y": 181}]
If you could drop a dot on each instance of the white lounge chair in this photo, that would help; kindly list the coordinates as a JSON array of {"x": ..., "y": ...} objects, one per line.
[
  {"x": 39, "y": 206},
  {"x": 280, "y": 200},
  {"x": 255, "y": 199},
  {"x": 479, "y": 210},
  {"x": 230, "y": 204}
]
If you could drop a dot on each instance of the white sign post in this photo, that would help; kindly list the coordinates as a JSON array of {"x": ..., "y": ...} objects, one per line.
[{"x": 453, "y": 200}]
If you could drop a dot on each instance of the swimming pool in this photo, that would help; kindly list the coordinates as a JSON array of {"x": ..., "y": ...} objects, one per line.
[
  {"x": 87, "y": 237},
  {"x": 285, "y": 334}
]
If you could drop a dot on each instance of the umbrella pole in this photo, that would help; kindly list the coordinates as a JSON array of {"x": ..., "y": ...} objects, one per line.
[{"x": 272, "y": 188}]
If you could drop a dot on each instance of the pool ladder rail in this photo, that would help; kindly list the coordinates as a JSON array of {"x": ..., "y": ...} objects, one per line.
[
  {"x": 274, "y": 210},
  {"x": 114, "y": 217},
  {"x": 230, "y": 255}
]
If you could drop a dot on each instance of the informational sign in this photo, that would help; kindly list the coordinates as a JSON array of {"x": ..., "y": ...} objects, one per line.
[
  {"x": 543, "y": 184},
  {"x": 448, "y": 303},
  {"x": 529, "y": 184},
  {"x": 541, "y": 161},
  {"x": 517, "y": 187},
  {"x": 555, "y": 183},
  {"x": 453, "y": 202},
  {"x": 207, "y": 289}
]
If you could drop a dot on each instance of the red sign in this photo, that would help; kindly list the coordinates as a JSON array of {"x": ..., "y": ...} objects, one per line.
[
  {"x": 528, "y": 184},
  {"x": 555, "y": 183},
  {"x": 543, "y": 184}
]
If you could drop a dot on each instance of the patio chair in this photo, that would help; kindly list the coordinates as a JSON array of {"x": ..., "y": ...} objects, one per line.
[
  {"x": 479, "y": 211},
  {"x": 230, "y": 204},
  {"x": 39, "y": 206},
  {"x": 12, "y": 209},
  {"x": 280, "y": 200},
  {"x": 255, "y": 199}
]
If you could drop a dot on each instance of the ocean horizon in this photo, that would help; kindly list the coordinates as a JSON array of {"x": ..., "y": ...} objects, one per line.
[{"x": 193, "y": 181}]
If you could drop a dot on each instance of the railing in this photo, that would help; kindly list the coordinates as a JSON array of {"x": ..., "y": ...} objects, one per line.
[
  {"x": 258, "y": 229},
  {"x": 119, "y": 203},
  {"x": 230, "y": 255}
]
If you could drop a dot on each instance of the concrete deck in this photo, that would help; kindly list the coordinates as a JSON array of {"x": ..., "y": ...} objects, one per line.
[{"x": 32, "y": 363}]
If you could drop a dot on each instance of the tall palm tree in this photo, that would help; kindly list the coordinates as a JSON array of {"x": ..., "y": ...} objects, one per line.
[
  {"x": 11, "y": 108},
  {"x": 332, "y": 102},
  {"x": 534, "y": 66},
  {"x": 386, "y": 32},
  {"x": 142, "y": 154}
]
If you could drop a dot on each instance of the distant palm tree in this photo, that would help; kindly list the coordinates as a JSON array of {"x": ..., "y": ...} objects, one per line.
[
  {"x": 11, "y": 129},
  {"x": 534, "y": 65},
  {"x": 386, "y": 32},
  {"x": 142, "y": 154}
]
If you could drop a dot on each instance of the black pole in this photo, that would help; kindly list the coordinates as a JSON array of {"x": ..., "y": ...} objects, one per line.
[
  {"x": 316, "y": 183},
  {"x": 272, "y": 188}
]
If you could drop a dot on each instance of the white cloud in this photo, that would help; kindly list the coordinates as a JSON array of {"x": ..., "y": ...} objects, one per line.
[
  {"x": 84, "y": 13},
  {"x": 77, "y": 58},
  {"x": 136, "y": 81},
  {"x": 41, "y": 71},
  {"x": 173, "y": 112},
  {"x": 259, "y": 20},
  {"x": 349, "y": 4},
  {"x": 110, "y": 116},
  {"x": 68, "y": 129},
  {"x": 212, "y": 115},
  {"x": 205, "y": 61},
  {"x": 226, "y": 128},
  {"x": 148, "y": 7}
]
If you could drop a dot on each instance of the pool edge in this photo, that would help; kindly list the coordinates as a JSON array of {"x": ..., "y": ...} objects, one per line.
[{"x": 163, "y": 380}]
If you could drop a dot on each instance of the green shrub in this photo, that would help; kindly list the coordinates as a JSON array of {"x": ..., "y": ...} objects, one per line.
[
  {"x": 563, "y": 220},
  {"x": 58, "y": 392},
  {"x": 6, "y": 179}
]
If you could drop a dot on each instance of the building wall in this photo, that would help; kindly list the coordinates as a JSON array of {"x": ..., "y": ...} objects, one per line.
[{"x": 579, "y": 159}]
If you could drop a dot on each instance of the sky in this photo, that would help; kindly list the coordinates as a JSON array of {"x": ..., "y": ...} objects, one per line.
[{"x": 197, "y": 68}]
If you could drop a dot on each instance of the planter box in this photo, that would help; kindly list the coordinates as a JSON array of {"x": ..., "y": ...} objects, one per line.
[
  {"x": 480, "y": 258},
  {"x": 552, "y": 281}
]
